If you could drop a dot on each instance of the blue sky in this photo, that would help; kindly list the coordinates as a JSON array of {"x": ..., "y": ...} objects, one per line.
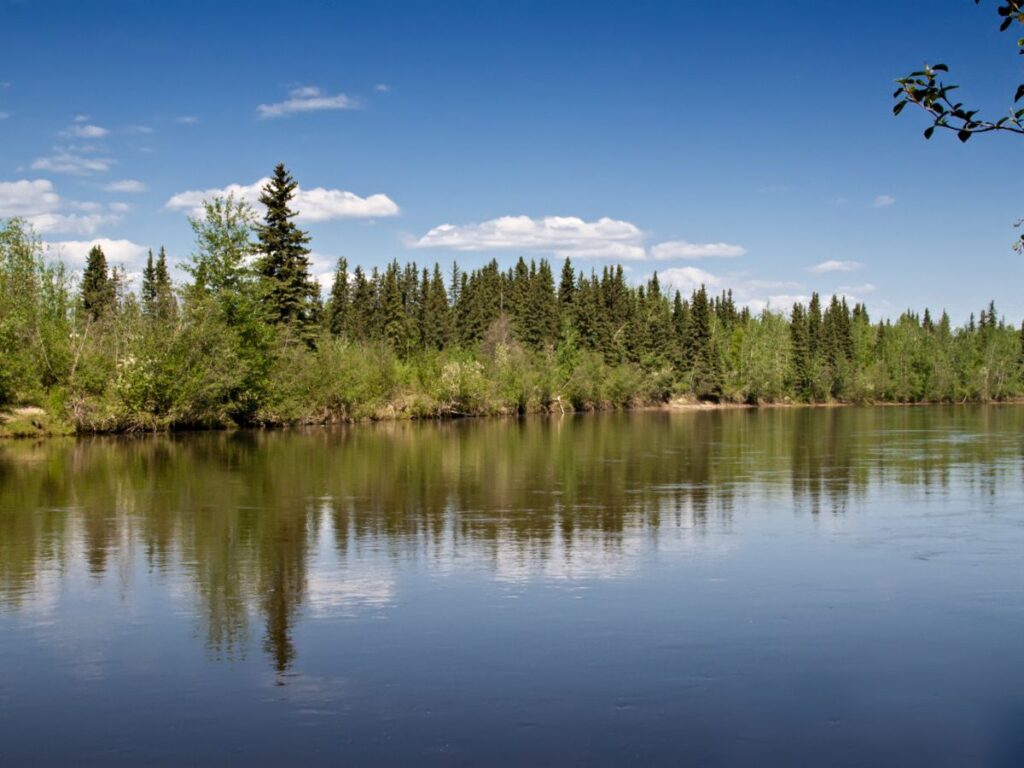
[{"x": 746, "y": 144}]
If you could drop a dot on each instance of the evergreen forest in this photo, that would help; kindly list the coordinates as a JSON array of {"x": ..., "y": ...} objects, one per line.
[{"x": 244, "y": 338}]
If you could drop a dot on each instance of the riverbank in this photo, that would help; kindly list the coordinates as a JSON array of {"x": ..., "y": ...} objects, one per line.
[{"x": 32, "y": 422}]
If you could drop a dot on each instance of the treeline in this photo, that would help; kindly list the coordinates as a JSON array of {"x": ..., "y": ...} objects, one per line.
[{"x": 246, "y": 338}]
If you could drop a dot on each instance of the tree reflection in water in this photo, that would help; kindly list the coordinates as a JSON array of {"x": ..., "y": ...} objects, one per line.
[{"x": 242, "y": 516}]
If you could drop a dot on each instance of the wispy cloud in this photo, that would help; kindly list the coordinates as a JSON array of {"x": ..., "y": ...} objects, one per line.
[
  {"x": 130, "y": 186},
  {"x": 71, "y": 223},
  {"x": 186, "y": 120},
  {"x": 382, "y": 88},
  {"x": 86, "y": 131},
  {"x": 833, "y": 265},
  {"x": 317, "y": 204},
  {"x": 72, "y": 163},
  {"x": 306, "y": 98},
  {"x": 560, "y": 235},
  {"x": 883, "y": 201},
  {"x": 681, "y": 249},
  {"x": 4, "y": 115},
  {"x": 855, "y": 290}
]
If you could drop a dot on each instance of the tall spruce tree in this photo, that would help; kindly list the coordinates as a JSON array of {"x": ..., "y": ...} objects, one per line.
[
  {"x": 706, "y": 369},
  {"x": 436, "y": 314},
  {"x": 801, "y": 352},
  {"x": 165, "y": 304},
  {"x": 97, "y": 287},
  {"x": 339, "y": 310},
  {"x": 148, "y": 292},
  {"x": 292, "y": 295}
]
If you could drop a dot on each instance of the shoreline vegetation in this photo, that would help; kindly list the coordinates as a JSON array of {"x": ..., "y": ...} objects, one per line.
[
  {"x": 35, "y": 423},
  {"x": 245, "y": 340}
]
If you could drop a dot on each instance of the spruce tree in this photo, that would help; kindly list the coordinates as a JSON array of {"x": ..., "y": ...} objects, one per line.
[
  {"x": 814, "y": 323},
  {"x": 706, "y": 375},
  {"x": 542, "y": 308},
  {"x": 362, "y": 313},
  {"x": 566, "y": 289},
  {"x": 165, "y": 305},
  {"x": 291, "y": 294},
  {"x": 392, "y": 309},
  {"x": 148, "y": 292},
  {"x": 680, "y": 325},
  {"x": 436, "y": 318},
  {"x": 97, "y": 287},
  {"x": 339, "y": 309},
  {"x": 801, "y": 352}
]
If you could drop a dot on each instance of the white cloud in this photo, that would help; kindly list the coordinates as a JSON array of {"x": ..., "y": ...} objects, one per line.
[
  {"x": 72, "y": 223},
  {"x": 125, "y": 185},
  {"x": 560, "y": 235},
  {"x": 883, "y": 201},
  {"x": 317, "y": 204},
  {"x": 80, "y": 119},
  {"x": 306, "y": 98},
  {"x": 4, "y": 115},
  {"x": 855, "y": 290},
  {"x": 187, "y": 120},
  {"x": 26, "y": 198},
  {"x": 85, "y": 131},
  {"x": 75, "y": 164},
  {"x": 120, "y": 207},
  {"x": 138, "y": 130},
  {"x": 680, "y": 249},
  {"x": 755, "y": 293},
  {"x": 688, "y": 279},
  {"x": 40, "y": 205},
  {"x": 85, "y": 205},
  {"x": 75, "y": 252},
  {"x": 832, "y": 265},
  {"x": 382, "y": 88}
]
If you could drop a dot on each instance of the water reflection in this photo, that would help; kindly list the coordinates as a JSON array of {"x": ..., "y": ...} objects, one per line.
[{"x": 249, "y": 532}]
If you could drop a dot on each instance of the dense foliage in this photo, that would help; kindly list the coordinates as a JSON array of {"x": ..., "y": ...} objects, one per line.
[{"x": 245, "y": 339}]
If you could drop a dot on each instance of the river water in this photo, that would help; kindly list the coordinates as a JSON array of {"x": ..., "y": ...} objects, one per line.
[{"x": 794, "y": 586}]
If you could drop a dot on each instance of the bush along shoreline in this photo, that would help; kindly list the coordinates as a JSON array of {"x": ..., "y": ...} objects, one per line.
[{"x": 244, "y": 338}]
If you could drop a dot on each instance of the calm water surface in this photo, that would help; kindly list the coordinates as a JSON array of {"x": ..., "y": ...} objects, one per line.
[{"x": 814, "y": 587}]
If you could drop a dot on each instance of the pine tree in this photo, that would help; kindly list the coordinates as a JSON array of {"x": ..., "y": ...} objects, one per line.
[
  {"x": 292, "y": 296},
  {"x": 566, "y": 290},
  {"x": 706, "y": 373},
  {"x": 391, "y": 310},
  {"x": 361, "y": 316},
  {"x": 97, "y": 287},
  {"x": 339, "y": 310},
  {"x": 814, "y": 322},
  {"x": 542, "y": 308},
  {"x": 165, "y": 304},
  {"x": 148, "y": 291},
  {"x": 436, "y": 324},
  {"x": 680, "y": 324},
  {"x": 801, "y": 352}
]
